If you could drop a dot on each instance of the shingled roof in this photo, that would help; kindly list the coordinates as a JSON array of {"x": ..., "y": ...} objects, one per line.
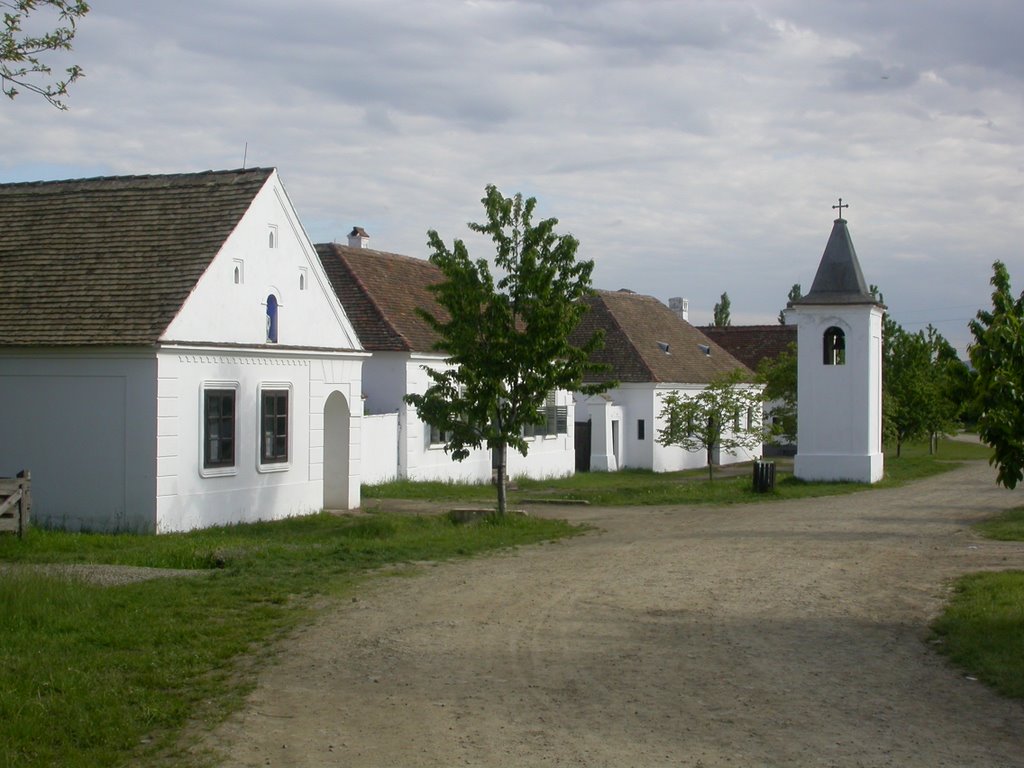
[
  {"x": 751, "y": 344},
  {"x": 645, "y": 341},
  {"x": 380, "y": 293},
  {"x": 111, "y": 260},
  {"x": 839, "y": 279}
]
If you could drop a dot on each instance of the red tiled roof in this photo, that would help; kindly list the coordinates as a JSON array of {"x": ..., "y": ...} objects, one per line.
[
  {"x": 637, "y": 329},
  {"x": 111, "y": 260},
  {"x": 380, "y": 293},
  {"x": 753, "y": 343}
]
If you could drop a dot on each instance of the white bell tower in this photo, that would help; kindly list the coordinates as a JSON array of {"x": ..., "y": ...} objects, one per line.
[{"x": 839, "y": 369}]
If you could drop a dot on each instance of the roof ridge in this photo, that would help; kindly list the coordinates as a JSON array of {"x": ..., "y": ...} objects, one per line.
[{"x": 137, "y": 177}]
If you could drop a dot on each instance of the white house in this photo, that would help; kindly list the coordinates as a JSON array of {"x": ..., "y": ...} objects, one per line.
[
  {"x": 839, "y": 370},
  {"x": 650, "y": 350},
  {"x": 381, "y": 293},
  {"x": 172, "y": 354}
]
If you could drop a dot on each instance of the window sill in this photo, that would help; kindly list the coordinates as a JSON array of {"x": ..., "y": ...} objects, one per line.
[{"x": 218, "y": 471}]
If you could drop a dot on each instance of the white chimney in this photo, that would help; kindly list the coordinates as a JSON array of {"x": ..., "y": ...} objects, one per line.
[
  {"x": 358, "y": 238},
  {"x": 680, "y": 306}
]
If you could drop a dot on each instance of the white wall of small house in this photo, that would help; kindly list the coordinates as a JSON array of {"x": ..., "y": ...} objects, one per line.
[
  {"x": 549, "y": 455},
  {"x": 189, "y": 495},
  {"x": 388, "y": 376},
  {"x": 84, "y": 424},
  {"x": 268, "y": 253}
]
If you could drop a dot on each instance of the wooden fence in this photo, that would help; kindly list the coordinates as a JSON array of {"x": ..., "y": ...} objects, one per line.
[{"x": 15, "y": 503}]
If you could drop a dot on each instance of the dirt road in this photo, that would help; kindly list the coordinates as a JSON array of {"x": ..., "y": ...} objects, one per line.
[{"x": 783, "y": 634}]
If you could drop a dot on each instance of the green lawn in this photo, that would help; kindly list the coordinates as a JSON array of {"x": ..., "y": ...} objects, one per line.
[
  {"x": 106, "y": 676},
  {"x": 640, "y": 487},
  {"x": 982, "y": 629}
]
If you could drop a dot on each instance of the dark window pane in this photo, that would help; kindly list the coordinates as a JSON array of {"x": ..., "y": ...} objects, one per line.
[
  {"x": 274, "y": 426},
  {"x": 219, "y": 428}
]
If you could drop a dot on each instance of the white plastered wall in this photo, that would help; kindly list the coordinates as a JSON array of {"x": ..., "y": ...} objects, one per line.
[
  {"x": 188, "y": 496},
  {"x": 839, "y": 406},
  {"x": 83, "y": 423}
]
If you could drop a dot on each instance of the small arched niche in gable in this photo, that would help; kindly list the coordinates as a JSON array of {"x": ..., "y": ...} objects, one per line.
[
  {"x": 272, "y": 319},
  {"x": 834, "y": 346},
  {"x": 272, "y": 236}
]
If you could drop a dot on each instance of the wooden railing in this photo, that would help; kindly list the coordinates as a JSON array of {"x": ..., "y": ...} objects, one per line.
[{"x": 15, "y": 503}]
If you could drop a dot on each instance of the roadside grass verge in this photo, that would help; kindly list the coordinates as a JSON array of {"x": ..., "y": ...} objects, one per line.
[
  {"x": 633, "y": 487},
  {"x": 982, "y": 628},
  {"x": 96, "y": 675}
]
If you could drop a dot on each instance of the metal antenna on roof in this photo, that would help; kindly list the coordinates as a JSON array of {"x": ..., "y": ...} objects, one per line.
[{"x": 245, "y": 156}]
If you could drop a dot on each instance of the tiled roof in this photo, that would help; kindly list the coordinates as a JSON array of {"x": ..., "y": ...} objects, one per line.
[
  {"x": 380, "y": 293},
  {"x": 637, "y": 329},
  {"x": 111, "y": 260},
  {"x": 752, "y": 343}
]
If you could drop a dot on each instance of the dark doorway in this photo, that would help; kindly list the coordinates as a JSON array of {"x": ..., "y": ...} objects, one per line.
[{"x": 582, "y": 445}]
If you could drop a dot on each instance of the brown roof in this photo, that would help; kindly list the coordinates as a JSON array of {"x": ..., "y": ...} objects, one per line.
[
  {"x": 111, "y": 260},
  {"x": 380, "y": 293},
  {"x": 753, "y": 343},
  {"x": 637, "y": 329}
]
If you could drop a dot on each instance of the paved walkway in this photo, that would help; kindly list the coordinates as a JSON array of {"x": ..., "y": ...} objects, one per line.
[{"x": 780, "y": 634}]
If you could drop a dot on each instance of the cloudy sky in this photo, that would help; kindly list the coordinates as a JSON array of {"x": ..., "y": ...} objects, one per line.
[{"x": 693, "y": 147}]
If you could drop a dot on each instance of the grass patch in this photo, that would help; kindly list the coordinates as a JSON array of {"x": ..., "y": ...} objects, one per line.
[
  {"x": 636, "y": 487},
  {"x": 982, "y": 630},
  {"x": 105, "y": 676}
]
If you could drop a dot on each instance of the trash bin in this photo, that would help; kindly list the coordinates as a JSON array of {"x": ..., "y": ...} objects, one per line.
[{"x": 764, "y": 476}]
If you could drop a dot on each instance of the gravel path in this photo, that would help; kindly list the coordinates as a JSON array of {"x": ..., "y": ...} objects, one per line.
[{"x": 782, "y": 634}]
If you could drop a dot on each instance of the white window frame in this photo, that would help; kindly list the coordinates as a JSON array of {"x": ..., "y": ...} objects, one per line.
[
  {"x": 205, "y": 385},
  {"x": 275, "y": 466}
]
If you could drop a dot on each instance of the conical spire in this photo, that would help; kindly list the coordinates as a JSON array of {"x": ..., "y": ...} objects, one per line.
[{"x": 839, "y": 279}]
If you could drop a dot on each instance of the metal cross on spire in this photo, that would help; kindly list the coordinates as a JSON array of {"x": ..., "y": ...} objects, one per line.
[{"x": 840, "y": 207}]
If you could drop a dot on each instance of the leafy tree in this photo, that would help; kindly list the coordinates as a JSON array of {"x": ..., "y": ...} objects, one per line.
[
  {"x": 507, "y": 341},
  {"x": 795, "y": 293},
  {"x": 954, "y": 383},
  {"x": 909, "y": 390},
  {"x": 920, "y": 374},
  {"x": 998, "y": 357},
  {"x": 21, "y": 65},
  {"x": 779, "y": 376},
  {"x": 717, "y": 416},
  {"x": 722, "y": 312}
]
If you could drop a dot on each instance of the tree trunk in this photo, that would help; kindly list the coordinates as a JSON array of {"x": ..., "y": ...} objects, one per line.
[
  {"x": 500, "y": 478},
  {"x": 711, "y": 476}
]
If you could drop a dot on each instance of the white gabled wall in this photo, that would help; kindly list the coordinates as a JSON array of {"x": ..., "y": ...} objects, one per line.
[
  {"x": 83, "y": 422},
  {"x": 221, "y": 310}
]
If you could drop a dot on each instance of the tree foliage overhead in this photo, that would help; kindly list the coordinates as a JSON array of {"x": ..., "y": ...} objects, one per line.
[
  {"x": 506, "y": 340},
  {"x": 717, "y": 416},
  {"x": 722, "y": 318},
  {"x": 998, "y": 358},
  {"x": 21, "y": 52}
]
